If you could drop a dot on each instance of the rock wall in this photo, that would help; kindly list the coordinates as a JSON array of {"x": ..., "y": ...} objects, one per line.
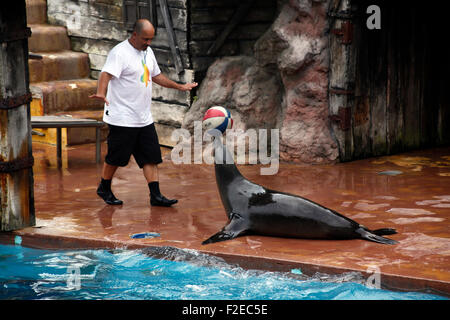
[{"x": 284, "y": 85}]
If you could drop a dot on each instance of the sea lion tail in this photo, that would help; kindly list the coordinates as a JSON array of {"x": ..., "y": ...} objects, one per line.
[
  {"x": 369, "y": 235},
  {"x": 384, "y": 231}
]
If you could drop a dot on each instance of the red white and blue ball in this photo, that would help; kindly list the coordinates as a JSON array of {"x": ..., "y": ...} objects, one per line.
[{"x": 217, "y": 117}]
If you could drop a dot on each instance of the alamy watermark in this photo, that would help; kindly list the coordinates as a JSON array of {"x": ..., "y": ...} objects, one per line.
[
  {"x": 374, "y": 20},
  {"x": 252, "y": 147},
  {"x": 74, "y": 278},
  {"x": 374, "y": 280}
]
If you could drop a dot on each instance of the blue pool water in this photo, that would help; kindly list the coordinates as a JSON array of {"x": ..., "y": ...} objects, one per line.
[{"x": 27, "y": 273}]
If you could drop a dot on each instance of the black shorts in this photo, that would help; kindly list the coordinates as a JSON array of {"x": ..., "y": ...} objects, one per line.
[{"x": 142, "y": 143}]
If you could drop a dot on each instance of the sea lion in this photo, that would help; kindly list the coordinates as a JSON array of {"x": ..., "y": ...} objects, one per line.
[{"x": 254, "y": 209}]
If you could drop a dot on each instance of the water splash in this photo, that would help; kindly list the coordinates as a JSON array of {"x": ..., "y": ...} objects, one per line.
[{"x": 181, "y": 274}]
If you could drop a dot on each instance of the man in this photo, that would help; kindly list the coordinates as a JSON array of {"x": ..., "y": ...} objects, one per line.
[{"x": 125, "y": 86}]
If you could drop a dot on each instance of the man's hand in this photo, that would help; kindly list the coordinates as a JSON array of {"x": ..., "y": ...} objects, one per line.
[
  {"x": 100, "y": 97},
  {"x": 188, "y": 86},
  {"x": 163, "y": 81},
  {"x": 102, "y": 86}
]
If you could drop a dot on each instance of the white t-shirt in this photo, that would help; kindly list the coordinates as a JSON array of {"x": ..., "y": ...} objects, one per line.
[{"x": 130, "y": 89}]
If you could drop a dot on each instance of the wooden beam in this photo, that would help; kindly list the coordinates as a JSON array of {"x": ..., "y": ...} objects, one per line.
[
  {"x": 171, "y": 35},
  {"x": 16, "y": 174},
  {"x": 240, "y": 13}
]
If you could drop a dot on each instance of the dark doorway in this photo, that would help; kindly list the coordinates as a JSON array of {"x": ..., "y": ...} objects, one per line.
[{"x": 401, "y": 79}]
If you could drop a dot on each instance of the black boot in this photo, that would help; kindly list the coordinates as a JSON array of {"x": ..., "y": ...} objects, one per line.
[
  {"x": 104, "y": 192},
  {"x": 156, "y": 198}
]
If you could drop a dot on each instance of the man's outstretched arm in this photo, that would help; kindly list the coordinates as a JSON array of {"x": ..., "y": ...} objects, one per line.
[{"x": 163, "y": 81}]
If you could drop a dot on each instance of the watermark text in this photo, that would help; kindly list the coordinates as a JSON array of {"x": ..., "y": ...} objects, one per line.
[{"x": 251, "y": 146}]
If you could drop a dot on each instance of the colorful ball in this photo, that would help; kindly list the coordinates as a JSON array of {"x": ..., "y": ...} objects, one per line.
[{"x": 217, "y": 117}]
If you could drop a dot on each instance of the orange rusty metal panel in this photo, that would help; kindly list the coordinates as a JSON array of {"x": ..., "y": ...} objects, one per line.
[{"x": 36, "y": 107}]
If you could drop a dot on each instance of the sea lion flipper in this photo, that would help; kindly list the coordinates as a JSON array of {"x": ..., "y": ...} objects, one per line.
[
  {"x": 233, "y": 229},
  {"x": 368, "y": 235},
  {"x": 220, "y": 236}
]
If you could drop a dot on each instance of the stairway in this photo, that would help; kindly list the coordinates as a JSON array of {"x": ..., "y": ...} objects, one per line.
[{"x": 59, "y": 82}]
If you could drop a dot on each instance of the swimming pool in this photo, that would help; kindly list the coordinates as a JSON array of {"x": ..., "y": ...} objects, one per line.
[{"x": 30, "y": 274}]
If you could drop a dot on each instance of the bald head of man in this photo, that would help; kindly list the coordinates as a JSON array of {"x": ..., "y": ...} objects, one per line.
[{"x": 143, "y": 34}]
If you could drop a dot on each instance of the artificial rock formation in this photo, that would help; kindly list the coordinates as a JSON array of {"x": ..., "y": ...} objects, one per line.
[
  {"x": 250, "y": 92},
  {"x": 284, "y": 86}
]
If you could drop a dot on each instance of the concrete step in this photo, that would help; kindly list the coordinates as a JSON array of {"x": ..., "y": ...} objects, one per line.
[
  {"x": 45, "y": 38},
  {"x": 63, "y": 96},
  {"x": 36, "y": 11},
  {"x": 61, "y": 65},
  {"x": 74, "y": 136}
]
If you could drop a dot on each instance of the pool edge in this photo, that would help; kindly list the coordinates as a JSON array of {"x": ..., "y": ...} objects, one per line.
[{"x": 393, "y": 282}]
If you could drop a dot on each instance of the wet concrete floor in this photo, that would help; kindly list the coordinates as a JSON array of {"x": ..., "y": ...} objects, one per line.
[{"x": 412, "y": 195}]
